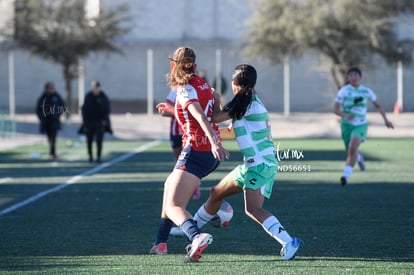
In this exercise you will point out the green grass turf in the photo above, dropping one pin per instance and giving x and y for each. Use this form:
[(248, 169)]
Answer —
[(105, 223)]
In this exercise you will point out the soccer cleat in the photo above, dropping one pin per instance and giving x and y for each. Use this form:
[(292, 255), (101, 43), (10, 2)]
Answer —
[(177, 232), (343, 181), (159, 249), (361, 163), (288, 251), (195, 249)]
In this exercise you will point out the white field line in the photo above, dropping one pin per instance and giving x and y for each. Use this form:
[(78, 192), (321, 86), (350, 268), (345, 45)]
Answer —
[(77, 178), (4, 180)]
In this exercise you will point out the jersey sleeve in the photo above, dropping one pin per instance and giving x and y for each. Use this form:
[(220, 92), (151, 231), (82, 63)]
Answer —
[(372, 95), (340, 96), (171, 97), (186, 95)]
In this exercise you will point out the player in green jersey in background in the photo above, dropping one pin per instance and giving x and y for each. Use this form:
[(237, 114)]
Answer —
[(351, 106)]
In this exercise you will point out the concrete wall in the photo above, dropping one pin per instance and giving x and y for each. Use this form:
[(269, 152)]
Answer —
[(164, 25)]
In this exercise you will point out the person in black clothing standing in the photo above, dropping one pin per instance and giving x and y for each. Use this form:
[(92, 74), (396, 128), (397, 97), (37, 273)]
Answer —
[(95, 115), (50, 106)]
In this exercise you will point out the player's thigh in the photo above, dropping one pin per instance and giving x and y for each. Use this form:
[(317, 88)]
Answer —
[(359, 132), (226, 187), (181, 185), (354, 143), (346, 130)]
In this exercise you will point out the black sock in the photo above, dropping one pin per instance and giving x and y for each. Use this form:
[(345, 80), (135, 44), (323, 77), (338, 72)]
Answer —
[(163, 230), (190, 228)]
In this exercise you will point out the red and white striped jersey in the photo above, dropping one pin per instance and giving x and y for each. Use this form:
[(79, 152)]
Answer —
[(174, 125), (196, 91)]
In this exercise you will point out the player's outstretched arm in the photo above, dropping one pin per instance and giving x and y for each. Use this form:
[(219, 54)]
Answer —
[(165, 109), (220, 116), (384, 116), (227, 133)]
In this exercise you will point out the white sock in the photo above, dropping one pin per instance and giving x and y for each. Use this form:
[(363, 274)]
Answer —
[(273, 227), (202, 217), (347, 171)]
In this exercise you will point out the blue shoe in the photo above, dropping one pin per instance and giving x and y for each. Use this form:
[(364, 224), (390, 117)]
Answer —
[(288, 251), (361, 163)]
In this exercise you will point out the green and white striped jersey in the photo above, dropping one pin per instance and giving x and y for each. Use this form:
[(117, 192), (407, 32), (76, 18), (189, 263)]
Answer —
[(254, 135), (354, 101)]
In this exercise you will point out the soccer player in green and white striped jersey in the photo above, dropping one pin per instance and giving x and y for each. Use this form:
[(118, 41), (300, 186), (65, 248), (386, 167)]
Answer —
[(255, 177), (351, 106)]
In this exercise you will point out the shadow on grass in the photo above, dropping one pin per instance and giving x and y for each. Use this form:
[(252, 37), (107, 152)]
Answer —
[(95, 218), (19, 165), (116, 213)]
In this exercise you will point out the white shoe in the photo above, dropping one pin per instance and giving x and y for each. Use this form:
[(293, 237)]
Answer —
[(177, 232), (195, 249), (288, 251), (361, 163)]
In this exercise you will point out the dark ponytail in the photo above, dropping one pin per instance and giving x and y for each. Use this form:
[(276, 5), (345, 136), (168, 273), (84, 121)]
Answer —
[(244, 76), (237, 107)]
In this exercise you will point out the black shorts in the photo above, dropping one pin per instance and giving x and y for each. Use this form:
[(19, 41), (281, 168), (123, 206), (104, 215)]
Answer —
[(176, 141), (199, 164)]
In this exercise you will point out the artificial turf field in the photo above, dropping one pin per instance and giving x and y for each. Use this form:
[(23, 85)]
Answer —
[(73, 217)]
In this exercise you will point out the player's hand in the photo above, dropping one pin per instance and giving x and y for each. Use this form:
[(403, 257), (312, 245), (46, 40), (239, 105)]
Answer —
[(216, 95), (165, 108), (349, 116), (389, 124), (219, 152)]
